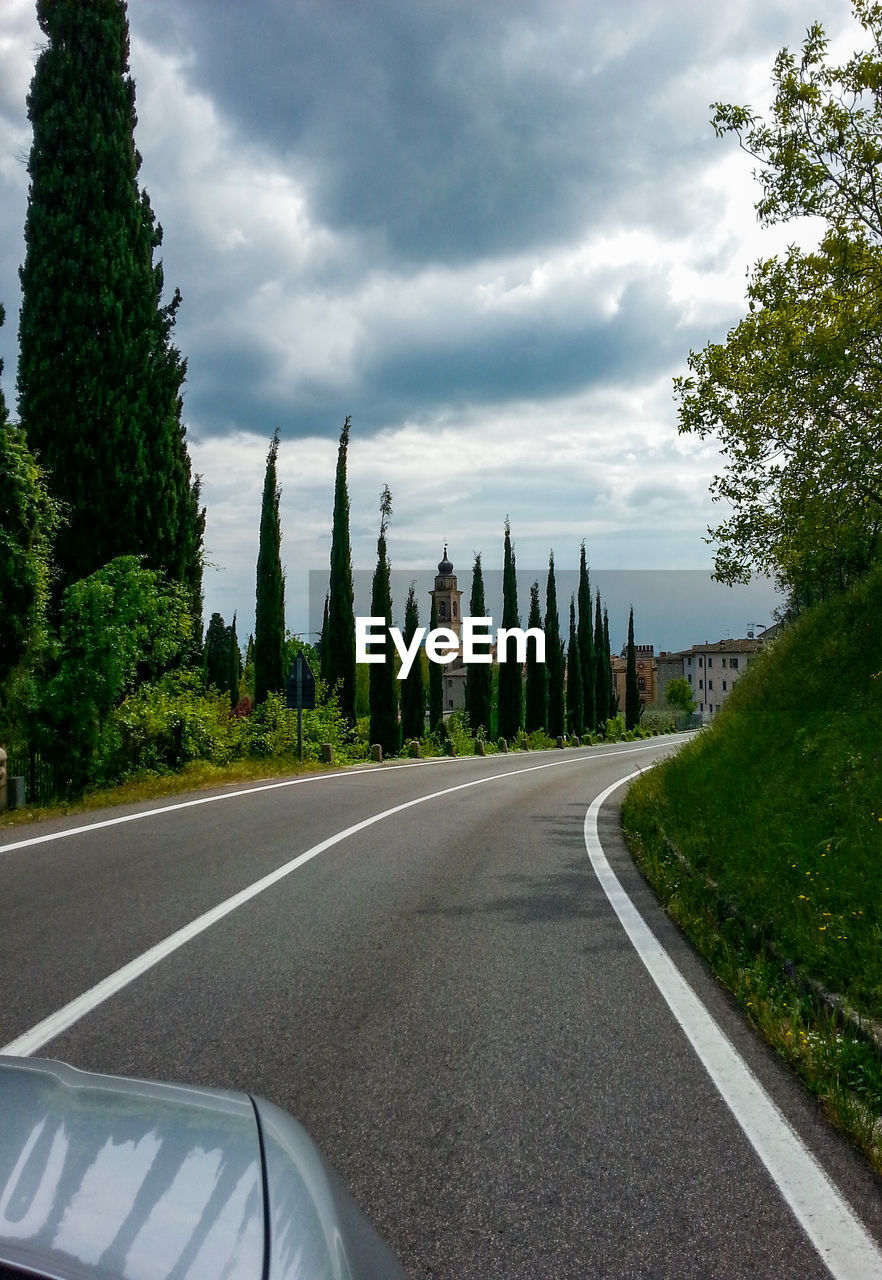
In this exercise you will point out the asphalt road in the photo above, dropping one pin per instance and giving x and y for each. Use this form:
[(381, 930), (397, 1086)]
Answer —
[(446, 999)]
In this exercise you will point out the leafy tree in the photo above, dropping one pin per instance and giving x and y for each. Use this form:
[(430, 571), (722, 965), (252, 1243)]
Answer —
[(586, 645), (27, 521), (632, 692), (794, 393), (436, 680), (479, 675), (99, 379), (215, 653), (248, 672), (234, 665), (119, 627), (602, 676), (613, 699), (575, 700), (383, 691), (338, 635), (413, 689), (678, 694), (511, 685), (536, 692), (554, 656), (269, 622)]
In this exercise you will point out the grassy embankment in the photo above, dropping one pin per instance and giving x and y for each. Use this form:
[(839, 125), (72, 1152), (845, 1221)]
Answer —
[(763, 837)]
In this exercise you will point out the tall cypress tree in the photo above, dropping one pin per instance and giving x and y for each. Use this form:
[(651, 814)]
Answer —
[(269, 622), (536, 691), (479, 675), (413, 688), (612, 696), (436, 680), (601, 687), (234, 666), (511, 685), (554, 656), (27, 522), (586, 646), (575, 701), (339, 634), (632, 692), (216, 653), (383, 686), (99, 379)]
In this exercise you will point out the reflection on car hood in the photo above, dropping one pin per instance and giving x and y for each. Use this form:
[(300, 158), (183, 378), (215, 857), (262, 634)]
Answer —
[(114, 1179)]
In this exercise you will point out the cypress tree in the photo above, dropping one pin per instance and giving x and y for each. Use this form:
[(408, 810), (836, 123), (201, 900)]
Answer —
[(612, 696), (99, 379), (554, 656), (413, 689), (536, 692), (632, 692), (479, 675), (322, 645), (383, 686), (511, 685), (234, 666), (575, 701), (338, 636), (27, 521), (269, 622), (436, 680), (216, 653), (586, 646), (601, 689)]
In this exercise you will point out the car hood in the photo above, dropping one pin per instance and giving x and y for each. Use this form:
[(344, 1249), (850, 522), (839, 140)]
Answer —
[(105, 1178)]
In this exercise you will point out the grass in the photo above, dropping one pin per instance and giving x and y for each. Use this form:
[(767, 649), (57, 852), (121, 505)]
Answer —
[(763, 838)]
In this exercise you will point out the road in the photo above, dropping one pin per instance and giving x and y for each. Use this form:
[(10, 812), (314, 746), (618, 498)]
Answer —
[(442, 992)]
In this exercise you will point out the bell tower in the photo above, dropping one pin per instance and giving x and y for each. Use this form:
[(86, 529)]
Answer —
[(447, 597)]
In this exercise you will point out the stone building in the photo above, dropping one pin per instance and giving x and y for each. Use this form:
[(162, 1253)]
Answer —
[(646, 674), (713, 670), (448, 600)]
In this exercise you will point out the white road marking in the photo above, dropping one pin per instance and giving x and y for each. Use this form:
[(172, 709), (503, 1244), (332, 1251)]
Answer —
[(30, 1041), (846, 1248)]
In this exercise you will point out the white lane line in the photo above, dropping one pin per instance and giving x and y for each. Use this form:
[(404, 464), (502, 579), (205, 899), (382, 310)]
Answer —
[(30, 1041), (843, 1243)]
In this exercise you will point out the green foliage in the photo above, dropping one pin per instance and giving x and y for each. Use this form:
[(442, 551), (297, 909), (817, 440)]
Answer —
[(99, 379), (793, 395), (678, 694), (575, 701), (511, 687), (436, 681), (234, 665), (658, 719), (479, 676), (215, 653), (121, 625), (610, 683), (586, 645), (554, 657), (383, 684), (632, 691), (28, 518), (602, 672), (269, 622), (458, 733), (536, 686), (338, 635), (413, 689)]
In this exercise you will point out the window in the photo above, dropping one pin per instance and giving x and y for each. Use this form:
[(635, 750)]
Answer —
[(724, 686), (710, 684), (701, 684), (450, 703), (701, 707), (442, 610), (733, 663), (722, 662), (710, 662), (641, 683), (454, 608), (701, 662)]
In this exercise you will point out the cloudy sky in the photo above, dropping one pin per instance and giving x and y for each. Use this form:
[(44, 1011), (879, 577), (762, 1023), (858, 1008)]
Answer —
[(491, 232)]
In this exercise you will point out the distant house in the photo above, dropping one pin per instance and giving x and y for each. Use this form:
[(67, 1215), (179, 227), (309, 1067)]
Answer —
[(646, 674), (713, 670)]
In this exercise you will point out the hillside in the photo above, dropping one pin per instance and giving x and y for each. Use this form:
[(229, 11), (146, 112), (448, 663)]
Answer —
[(764, 838)]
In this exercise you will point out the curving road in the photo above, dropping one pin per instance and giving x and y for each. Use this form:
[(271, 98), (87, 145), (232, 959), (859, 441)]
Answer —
[(424, 965)]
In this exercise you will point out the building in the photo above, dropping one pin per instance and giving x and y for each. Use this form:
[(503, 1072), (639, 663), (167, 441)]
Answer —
[(714, 669), (447, 598), (646, 674)]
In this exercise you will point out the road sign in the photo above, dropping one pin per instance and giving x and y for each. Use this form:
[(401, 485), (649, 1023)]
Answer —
[(300, 686)]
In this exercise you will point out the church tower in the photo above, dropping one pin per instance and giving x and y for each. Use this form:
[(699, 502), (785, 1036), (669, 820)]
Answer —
[(447, 597)]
